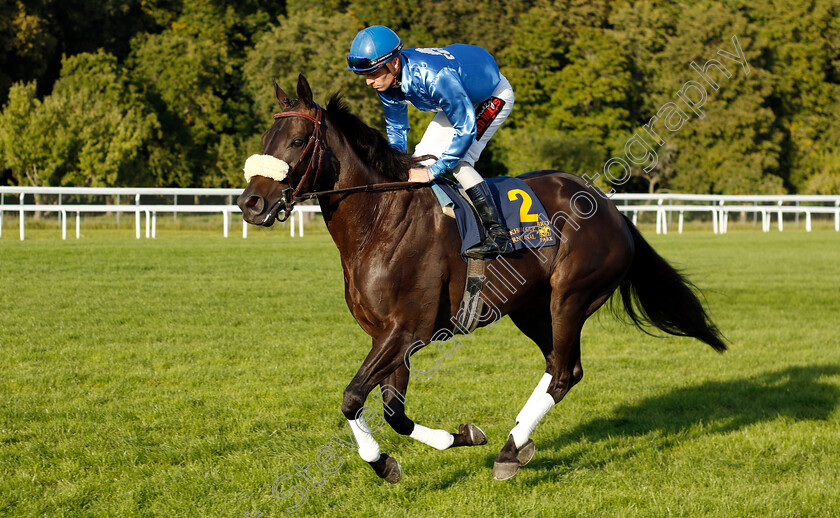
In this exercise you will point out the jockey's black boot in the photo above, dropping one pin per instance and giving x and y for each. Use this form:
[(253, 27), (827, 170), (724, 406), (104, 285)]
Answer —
[(498, 237)]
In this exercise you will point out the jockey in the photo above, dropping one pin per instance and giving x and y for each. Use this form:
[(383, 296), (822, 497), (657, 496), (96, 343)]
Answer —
[(460, 82)]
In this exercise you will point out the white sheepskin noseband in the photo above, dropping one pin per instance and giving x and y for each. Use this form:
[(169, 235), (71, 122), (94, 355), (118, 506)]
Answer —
[(265, 165)]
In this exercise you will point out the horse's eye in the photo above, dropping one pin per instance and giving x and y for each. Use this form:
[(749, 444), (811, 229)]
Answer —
[(297, 142)]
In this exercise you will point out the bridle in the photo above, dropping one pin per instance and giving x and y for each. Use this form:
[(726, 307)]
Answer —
[(315, 149)]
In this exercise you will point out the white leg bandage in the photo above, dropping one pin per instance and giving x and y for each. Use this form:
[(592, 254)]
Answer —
[(541, 389), (530, 415), (440, 439), (368, 447)]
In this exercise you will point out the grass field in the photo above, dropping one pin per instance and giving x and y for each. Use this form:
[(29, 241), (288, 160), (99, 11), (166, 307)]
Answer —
[(183, 376)]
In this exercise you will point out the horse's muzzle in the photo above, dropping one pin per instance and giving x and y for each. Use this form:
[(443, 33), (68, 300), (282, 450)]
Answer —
[(262, 210)]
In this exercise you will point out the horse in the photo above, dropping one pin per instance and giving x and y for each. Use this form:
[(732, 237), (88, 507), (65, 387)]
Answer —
[(404, 275)]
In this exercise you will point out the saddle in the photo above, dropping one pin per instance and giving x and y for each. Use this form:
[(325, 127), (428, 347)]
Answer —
[(524, 216)]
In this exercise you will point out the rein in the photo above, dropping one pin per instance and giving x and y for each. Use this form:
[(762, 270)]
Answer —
[(316, 147), (374, 187)]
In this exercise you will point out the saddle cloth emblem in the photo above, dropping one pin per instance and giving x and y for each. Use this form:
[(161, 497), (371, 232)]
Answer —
[(521, 210)]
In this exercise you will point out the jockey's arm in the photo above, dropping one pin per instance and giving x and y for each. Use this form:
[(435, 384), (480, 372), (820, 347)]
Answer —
[(453, 100), (396, 122)]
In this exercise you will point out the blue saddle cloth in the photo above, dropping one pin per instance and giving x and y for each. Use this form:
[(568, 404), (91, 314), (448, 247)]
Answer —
[(521, 210)]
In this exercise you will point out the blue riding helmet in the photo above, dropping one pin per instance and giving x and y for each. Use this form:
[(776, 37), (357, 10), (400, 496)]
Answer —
[(372, 48)]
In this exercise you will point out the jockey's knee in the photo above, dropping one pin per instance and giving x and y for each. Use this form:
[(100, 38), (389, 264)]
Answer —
[(466, 175)]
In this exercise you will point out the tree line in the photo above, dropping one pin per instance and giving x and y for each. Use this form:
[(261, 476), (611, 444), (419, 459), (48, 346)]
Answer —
[(178, 92)]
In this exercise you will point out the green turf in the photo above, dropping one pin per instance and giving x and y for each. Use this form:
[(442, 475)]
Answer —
[(182, 376)]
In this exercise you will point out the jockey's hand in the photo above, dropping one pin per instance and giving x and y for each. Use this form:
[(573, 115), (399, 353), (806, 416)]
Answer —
[(419, 174)]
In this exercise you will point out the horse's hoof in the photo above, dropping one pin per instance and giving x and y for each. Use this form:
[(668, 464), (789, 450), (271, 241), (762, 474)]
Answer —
[(393, 472), (387, 468), (469, 435), (526, 453), (504, 470), (474, 434)]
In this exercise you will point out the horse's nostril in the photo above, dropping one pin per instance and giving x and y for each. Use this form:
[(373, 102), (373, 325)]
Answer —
[(255, 203)]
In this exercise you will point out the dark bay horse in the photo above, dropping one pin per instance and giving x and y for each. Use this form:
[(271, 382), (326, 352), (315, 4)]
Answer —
[(404, 276)]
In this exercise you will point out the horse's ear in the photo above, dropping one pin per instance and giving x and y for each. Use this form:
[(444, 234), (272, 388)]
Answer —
[(303, 91), (282, 98)]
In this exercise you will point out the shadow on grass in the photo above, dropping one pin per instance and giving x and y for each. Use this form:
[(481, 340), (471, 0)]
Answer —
[(709, 408)]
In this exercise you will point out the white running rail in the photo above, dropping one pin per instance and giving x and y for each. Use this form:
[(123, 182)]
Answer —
[(664, 205)]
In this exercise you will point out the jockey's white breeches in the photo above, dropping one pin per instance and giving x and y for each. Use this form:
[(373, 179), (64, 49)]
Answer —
[(439, 135)]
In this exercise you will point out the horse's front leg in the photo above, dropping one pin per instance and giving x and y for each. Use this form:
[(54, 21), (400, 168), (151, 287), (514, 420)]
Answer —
[(393, 390), (384, 358)]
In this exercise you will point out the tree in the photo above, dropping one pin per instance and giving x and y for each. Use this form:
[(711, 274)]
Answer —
[(801, 43), (178, 92), (25, 44), (591, 95), (88, 132), (110, 127), (734, 147), (532, 64), (33, 143), (316, 46)]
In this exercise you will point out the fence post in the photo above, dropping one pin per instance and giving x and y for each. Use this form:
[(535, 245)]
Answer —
[(780, 216), (300, 223), (714, 220), (21, 216), (664, 216), (137, 215), (836, 216)]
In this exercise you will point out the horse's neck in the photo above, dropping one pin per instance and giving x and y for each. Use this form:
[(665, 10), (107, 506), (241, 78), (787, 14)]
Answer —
[(352, 219)]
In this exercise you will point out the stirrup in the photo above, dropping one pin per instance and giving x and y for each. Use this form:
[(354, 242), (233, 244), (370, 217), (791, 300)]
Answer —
[(497, 242)]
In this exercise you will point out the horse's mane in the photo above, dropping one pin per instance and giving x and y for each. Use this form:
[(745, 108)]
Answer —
[(371, 146)]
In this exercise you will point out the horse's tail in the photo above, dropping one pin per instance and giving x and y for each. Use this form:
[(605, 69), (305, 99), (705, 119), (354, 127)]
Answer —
[(655, 292)]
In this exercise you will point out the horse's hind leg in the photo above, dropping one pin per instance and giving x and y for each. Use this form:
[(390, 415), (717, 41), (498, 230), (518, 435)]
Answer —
[(393, 391), (559, 340)]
